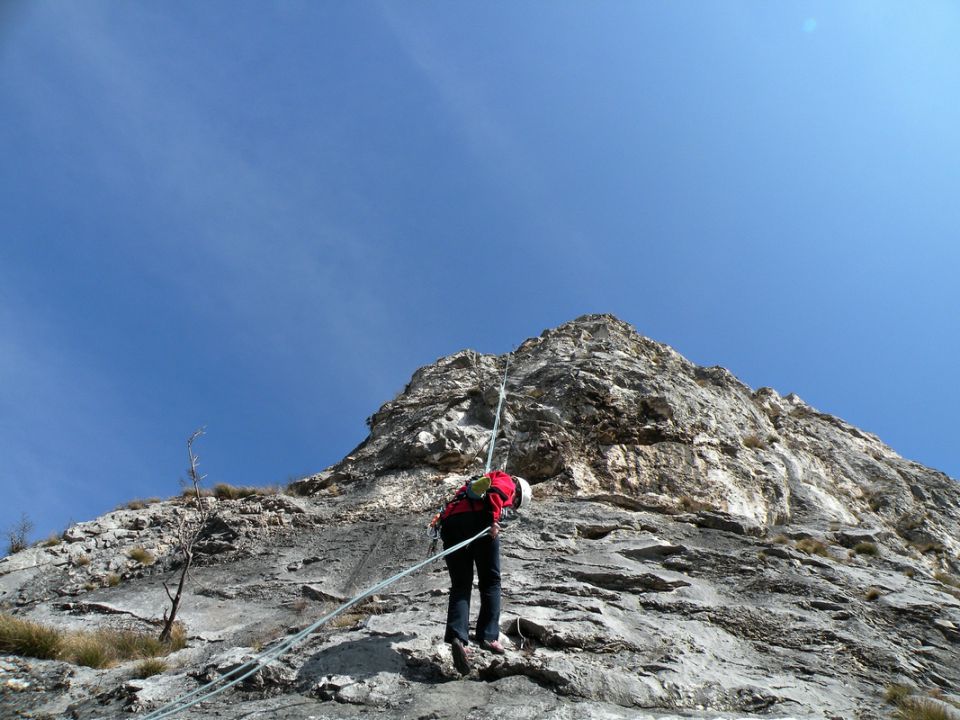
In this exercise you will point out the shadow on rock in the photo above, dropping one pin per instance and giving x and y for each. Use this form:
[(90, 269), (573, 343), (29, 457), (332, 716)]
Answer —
[(360, 659)]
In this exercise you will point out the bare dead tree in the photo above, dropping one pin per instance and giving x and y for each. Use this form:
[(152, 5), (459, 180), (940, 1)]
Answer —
[(188, 531)]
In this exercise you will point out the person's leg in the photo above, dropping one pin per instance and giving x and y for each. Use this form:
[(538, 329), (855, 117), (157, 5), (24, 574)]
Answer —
[(487, 556), (460, 567)]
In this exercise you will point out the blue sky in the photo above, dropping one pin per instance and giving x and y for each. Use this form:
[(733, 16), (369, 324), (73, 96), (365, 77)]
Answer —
[(263, 217)]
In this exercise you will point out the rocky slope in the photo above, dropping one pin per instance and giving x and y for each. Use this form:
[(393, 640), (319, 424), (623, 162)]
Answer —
[(697, 549)]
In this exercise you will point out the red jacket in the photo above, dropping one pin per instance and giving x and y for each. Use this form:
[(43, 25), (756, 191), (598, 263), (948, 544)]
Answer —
[(499, 496)]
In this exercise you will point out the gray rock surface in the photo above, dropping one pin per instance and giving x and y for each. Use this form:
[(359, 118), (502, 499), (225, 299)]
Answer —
[(696, 550)]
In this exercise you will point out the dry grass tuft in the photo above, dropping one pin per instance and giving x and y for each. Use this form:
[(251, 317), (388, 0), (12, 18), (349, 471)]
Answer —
[(358, 613), (918, 709), (866, 548), (872, 594), (149, 668), (755, 442), (23, 637), (139, 503), (947, 579), (897, 693), (926, 547), (89, 651), (141, 555), (811, 546), (781, 540), (81, 560), (224, 491), (112, 580), (911, 707), (689, 503), (190, 494), (98, 649)]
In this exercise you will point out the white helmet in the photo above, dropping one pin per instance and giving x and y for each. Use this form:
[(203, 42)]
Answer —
[(523, 496)]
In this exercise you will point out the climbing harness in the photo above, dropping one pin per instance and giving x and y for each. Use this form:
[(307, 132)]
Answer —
[(241, 673)]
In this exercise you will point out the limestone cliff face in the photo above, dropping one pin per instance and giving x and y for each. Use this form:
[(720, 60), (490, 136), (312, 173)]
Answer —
[(696, 549), (593, 408)]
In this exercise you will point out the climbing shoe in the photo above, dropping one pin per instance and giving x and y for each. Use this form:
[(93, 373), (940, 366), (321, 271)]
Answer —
[(460, 659), (493, 646)]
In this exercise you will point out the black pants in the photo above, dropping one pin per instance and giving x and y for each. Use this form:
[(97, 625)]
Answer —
[(484, 553)]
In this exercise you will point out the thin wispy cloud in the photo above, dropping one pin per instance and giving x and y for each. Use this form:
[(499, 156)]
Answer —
[(256, 249), (495, 146)]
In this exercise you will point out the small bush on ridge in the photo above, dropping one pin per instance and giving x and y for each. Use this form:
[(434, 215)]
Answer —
[(18, 535)]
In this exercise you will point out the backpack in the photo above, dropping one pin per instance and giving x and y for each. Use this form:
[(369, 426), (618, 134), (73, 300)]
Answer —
[(475, 490)]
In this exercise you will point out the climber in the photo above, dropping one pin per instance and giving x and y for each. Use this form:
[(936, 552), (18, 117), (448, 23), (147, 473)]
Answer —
[(480, 503)]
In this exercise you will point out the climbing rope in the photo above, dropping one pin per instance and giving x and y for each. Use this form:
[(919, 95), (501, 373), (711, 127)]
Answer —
[(239, 674), (496, 421)]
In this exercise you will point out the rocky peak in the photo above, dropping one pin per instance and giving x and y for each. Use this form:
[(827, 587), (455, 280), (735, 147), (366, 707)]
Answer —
[(593, 407)]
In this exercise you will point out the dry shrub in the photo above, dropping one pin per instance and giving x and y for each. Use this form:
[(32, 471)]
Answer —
[(872, 594), (112, 580), (18, 535), (81, 560), (781, 540), (755, 442)]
